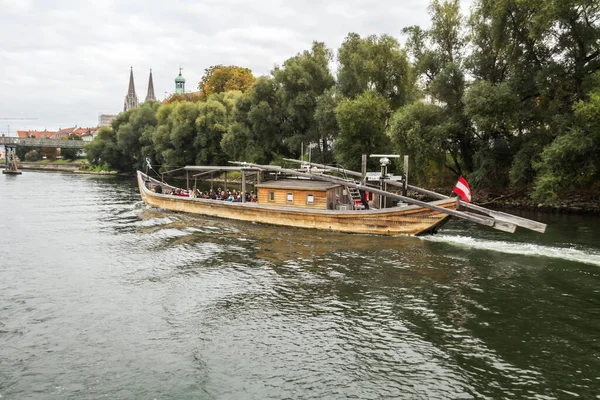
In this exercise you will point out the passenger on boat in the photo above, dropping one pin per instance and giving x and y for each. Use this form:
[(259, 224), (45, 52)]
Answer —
[(157, 189), (364, 199)]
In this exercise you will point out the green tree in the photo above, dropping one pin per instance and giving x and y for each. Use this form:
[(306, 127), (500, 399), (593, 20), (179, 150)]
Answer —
[(175, 135), (33, 155), (420, 130), (191, 97), (256, 133), (212, 123), (362, 129), (302, 80), (439, 65), (494, 112), (326, 123), (572, 160), (134, 130), (103, 150), (374, 63)]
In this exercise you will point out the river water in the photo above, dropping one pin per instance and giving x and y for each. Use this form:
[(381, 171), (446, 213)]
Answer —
[(103, 297)]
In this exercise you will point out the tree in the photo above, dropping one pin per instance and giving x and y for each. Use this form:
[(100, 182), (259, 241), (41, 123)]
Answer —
[(191, 97), (134, 129), (494, 112), (374, 63), (302, 80), (50, 153), (256, 133), (175, 135), (362, 129), (33, 155), (439, 64), (212, 123), (326, 122), (220, 78), (103, 150), (572, 160), (421, 130)]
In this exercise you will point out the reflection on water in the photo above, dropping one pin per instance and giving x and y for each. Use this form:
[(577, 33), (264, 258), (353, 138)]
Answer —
[(101, 296)]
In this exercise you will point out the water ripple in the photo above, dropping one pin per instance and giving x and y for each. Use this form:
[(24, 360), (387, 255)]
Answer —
[(104, 297)]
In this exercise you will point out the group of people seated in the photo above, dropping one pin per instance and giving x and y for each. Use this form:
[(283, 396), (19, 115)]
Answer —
[(219, 194)]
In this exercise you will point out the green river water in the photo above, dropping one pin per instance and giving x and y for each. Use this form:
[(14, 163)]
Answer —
[(104, 297)]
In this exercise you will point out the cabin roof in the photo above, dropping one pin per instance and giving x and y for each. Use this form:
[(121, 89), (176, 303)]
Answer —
[(217, 168), (301, 184)]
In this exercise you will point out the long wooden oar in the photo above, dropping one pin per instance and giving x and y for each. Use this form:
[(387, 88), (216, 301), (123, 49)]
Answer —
[(498, 215)]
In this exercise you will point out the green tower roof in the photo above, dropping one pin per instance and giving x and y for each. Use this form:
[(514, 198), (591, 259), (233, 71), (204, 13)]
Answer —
[(180, 78)]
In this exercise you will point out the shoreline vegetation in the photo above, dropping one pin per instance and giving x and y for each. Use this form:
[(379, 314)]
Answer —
[(505, 94), (588, 203)]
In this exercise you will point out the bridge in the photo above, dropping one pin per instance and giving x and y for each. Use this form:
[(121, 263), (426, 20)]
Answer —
[(33, 142)]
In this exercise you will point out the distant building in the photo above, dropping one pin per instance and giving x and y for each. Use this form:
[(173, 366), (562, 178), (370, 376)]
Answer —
[(180, 83), (131, 99), (180, 94), (45, 134), (60, 134), (150, 95), (63, 133), (90, 134), (106, 119)]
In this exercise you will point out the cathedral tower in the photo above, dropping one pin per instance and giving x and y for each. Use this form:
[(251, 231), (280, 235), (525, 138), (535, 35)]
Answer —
[(180, 83), (150, 95), (131, 100)]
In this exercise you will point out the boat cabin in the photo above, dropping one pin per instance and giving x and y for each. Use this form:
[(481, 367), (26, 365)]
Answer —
[(301, 193)]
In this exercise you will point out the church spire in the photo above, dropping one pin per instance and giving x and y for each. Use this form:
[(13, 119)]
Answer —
[(150, 95), (131, 100)]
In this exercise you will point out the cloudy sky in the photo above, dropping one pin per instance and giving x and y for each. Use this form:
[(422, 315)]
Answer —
[(64, 62)]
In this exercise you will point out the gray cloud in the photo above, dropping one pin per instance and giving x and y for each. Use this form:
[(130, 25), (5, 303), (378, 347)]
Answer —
[(64, 62)]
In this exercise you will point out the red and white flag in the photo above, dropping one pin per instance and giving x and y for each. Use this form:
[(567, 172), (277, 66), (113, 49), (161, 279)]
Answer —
[(462, 189)]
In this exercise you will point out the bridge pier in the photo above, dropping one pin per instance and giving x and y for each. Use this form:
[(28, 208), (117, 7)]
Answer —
[(10, 160)]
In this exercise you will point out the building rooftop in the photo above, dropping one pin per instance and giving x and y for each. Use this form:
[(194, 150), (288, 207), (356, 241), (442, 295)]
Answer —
[(300, 184)]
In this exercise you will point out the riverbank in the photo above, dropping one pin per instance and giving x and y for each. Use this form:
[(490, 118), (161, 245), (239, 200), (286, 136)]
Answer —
[(76, 167), (576, 203), (51, 166)]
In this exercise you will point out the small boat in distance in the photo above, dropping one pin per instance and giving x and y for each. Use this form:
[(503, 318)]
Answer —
[(313, 199)]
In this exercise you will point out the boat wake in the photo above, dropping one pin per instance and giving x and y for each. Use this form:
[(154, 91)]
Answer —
[(585, 256)]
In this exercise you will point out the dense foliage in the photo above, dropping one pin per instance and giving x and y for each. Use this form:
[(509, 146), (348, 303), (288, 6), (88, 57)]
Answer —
[(508, 96)]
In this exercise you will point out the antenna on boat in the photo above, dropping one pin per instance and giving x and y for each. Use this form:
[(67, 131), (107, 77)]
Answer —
[(384, 160)]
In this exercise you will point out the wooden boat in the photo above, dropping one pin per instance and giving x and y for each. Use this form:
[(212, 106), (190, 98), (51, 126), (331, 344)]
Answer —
[(316, 200), (407, 220)]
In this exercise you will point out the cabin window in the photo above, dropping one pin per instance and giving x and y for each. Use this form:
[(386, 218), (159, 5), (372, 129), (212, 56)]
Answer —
[(310, 199), (271, 196), (290, 197)]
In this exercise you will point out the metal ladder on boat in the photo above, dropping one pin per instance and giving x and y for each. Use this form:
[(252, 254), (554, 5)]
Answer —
[(354, 195)]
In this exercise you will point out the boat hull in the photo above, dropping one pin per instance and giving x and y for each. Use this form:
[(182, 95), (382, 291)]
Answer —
[(409, 220)]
